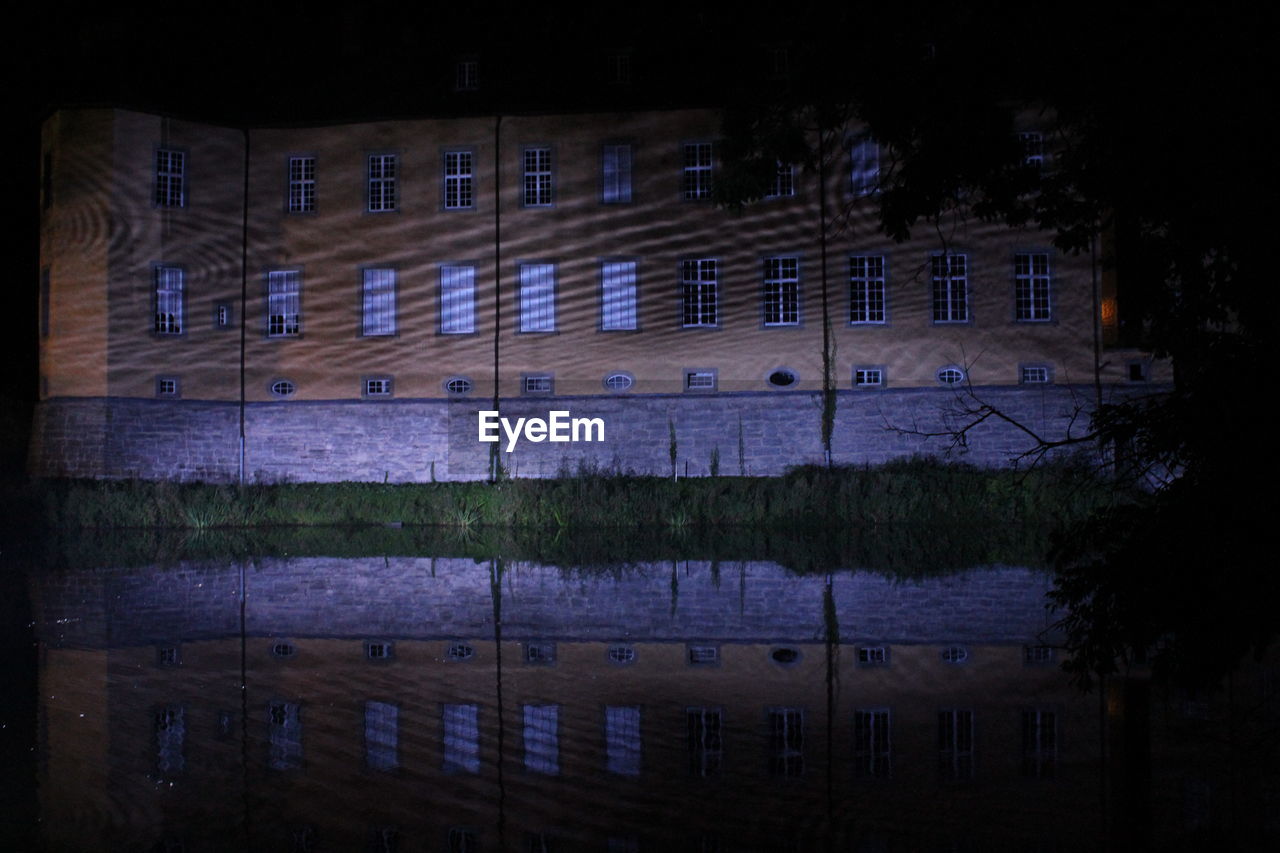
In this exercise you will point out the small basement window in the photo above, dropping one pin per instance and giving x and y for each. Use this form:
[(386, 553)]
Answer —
[(283, 388), (783, 377), (458, 385), (950, 375)]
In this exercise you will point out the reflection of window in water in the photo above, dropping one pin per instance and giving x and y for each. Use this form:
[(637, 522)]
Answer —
[(541, 744), (786, 742), (381, 735), (284, 736), (706, 748), (461, 739), (955, 744), (384, 839), (171, 734), (871, 748), (539, 842), (304, 839), (622, 739), (463, 840), (1039, 742)]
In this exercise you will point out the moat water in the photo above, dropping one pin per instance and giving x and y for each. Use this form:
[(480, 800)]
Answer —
[(457, 700)]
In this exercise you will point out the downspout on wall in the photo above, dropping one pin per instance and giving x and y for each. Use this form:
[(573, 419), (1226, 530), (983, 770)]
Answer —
[(244, 291), (495, 464)]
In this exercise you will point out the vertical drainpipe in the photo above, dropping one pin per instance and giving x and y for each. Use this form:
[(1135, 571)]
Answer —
[(828, 389), (1097, 320), (244, 289), (494, 464)]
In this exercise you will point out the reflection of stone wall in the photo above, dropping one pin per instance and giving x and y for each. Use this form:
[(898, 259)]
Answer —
[(416, 440), (450, 597)]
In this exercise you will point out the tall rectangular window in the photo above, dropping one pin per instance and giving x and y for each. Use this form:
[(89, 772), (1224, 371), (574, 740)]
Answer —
[(382, 182), (871, 748), (1032, 149), (171, 183), (706, 745), (458, 176), (697, 171), (784, 182), (541, 739), (1031, 286), (302, 184), (284, 301), (618, 296), (537, 297), (864, 167), (170, 294), (950, 288), (462, 738), (379, 302), (622, 739), (866, 289), (1039, 743), (781, 291), (171, 736), (284, 736), (786, 742), (466, 76), (955, 744), (381, 735), (617, 174), (45, 298), (457, 300), (699, 293), (537, 177)]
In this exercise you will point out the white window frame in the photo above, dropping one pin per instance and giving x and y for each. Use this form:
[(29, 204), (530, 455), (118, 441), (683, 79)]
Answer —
[(955, 743), (459, 180), (537, 298), (461, 740), (1039, 742), (868, 295), (622, 739), (1035, 374), (706, 740), (1032, 142), (466, 75), (302, 185), (378, 386), (618, 296), (538, 176), (786, 742), (170, 300), (699, 163), (542, 739), (457, 299), (701, 379), (538, 384), (873, 743), (864, 167), (949, 273), (383, 177), (699, 298), (284, 303), (171, 178), (378, 302), (868, 376), (781, 300), (615, 173), (784, 182), (1032, 287)]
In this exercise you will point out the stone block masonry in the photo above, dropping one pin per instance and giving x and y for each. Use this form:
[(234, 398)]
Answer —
[(400, 441)]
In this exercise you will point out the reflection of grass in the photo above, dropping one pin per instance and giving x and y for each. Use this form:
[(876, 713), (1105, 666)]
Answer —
[(917, 492)]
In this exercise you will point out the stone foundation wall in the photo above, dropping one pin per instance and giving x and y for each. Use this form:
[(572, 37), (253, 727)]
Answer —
[(422, 440)]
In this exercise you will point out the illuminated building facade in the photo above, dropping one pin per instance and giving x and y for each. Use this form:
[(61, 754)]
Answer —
[(338, 302)]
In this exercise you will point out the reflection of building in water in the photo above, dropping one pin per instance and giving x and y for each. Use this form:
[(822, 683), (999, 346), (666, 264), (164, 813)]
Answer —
[(352, 729), (392, 276)]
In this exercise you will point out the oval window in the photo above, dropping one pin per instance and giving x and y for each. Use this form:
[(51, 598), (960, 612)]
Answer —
[(785, 655), (783, 377), (283, 388), (622, 653), (458, 385), (950, 375), (618, 381)]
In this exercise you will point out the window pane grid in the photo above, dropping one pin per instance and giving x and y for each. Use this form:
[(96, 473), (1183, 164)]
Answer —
[(283, 303), (617, 174), (706, 747), (170, 178), (541, 745), (866, 289), (1031, 286), (461, 738), (302, 184), (537, 298), (379, 302), (457, 300), (382, 182), (537, 177), (784, 182), (457, 180), (700, 292), (786, 742), (871, 743), (950, 288), (955, 744), (1039, 743), (169, 300), (381, 735), (622, 739), (618, 296), (697, 171), (781, 291)]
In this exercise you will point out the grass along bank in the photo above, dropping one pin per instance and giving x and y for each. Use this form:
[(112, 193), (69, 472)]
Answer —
[(917, 491)]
